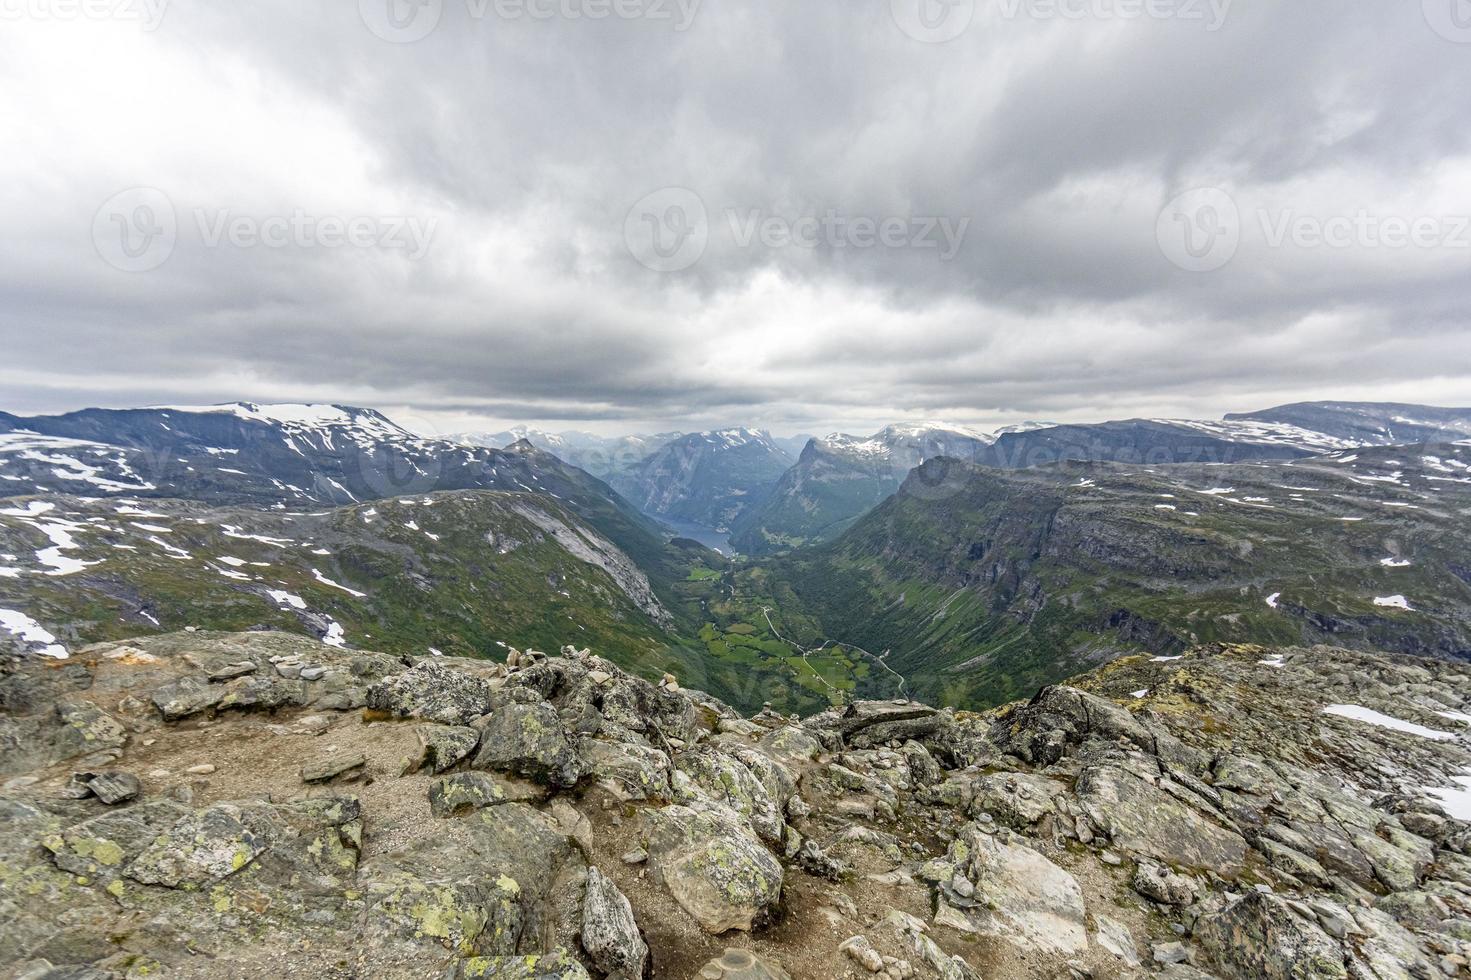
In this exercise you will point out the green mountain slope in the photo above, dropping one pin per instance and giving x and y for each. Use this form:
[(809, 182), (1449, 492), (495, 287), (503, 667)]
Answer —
[(466, 573), (1011, 579)]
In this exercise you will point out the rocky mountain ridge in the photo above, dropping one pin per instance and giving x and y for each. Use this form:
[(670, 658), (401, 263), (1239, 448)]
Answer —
[(984, 583), (709, 478), (209, 805)]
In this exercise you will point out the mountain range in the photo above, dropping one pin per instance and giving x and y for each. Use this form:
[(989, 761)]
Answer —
[(712, 479), (925, 559)]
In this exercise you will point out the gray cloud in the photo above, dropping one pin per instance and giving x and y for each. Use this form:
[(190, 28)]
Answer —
[(525, 143)]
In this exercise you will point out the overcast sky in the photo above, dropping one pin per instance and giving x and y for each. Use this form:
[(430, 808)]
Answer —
[(447, 208)]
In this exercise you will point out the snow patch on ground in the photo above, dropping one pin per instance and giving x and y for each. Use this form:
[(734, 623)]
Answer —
[(327, 581), (1369, 716), (1456, 800), (32, 634), (1393, 602)]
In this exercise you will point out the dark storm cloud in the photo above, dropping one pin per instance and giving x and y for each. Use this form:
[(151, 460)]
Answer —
[(515, 149)]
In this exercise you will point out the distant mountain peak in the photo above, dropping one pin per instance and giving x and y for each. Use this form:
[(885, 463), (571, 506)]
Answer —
[(299, 415)]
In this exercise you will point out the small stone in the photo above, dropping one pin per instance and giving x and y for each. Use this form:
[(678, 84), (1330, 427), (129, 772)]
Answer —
[(313, 673), (463, 792), (313, 724), (1168, 953), (78, 787), (204, 769), (599, 677), (1111, 859), (636, 856), (20, 782), (231, 671), (330, 768), (1116, 938), (861, 951), (115, 786)]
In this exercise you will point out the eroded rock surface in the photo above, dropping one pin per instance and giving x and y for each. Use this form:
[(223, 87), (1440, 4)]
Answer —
[(556, 817)]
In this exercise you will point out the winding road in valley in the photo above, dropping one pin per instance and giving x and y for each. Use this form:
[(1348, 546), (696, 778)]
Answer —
[(805, 651)]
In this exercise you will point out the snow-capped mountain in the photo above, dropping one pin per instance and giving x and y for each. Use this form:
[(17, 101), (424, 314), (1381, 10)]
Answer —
[(840, 477), (282, 456), (708, 478), (1367, 423), (602, 456)]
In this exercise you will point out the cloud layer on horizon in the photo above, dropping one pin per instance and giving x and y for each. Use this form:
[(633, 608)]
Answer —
[(524, 143)]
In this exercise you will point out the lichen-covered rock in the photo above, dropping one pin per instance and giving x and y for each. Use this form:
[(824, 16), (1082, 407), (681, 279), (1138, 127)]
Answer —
[(102, 846), (557, 965), (329, 767), (483, 890), (727, 780), (473, 915), (1015, 799), (628, 770), (1141, 818), (463, 792), (1159, 883), (1004, 889), (792, 744), (85, 728), (713, 866), (1261, 937), (186, 696), (443, 746), (200, 849), (1042, 730), (432, 692), (609, 931), (528, 739)]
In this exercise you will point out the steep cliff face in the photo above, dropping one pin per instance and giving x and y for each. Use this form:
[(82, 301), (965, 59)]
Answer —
[(709, 478), (839, 478), (984, 583), (215, 805)]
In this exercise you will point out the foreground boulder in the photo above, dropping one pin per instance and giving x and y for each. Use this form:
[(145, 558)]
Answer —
[(1262, 936), (559, 818), (1002, 888), (714, 866), (528, 739)]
